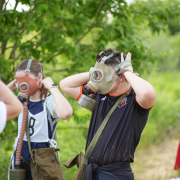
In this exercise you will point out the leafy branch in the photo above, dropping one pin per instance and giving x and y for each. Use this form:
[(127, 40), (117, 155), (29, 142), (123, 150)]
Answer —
[(39, 42), (93, 24), (12, 55), (90, 28)]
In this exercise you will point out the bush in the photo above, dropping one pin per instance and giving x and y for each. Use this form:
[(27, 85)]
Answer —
[(173, 25), (4, 163), (165, 115)]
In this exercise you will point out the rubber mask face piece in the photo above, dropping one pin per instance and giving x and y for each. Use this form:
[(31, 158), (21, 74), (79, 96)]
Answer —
[(26, 84), (101, 77)]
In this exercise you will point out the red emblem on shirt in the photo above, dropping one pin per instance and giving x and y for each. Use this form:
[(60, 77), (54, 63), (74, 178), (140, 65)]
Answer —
[(122, 103)]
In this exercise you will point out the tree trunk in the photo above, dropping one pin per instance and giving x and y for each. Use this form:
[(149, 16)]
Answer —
[(3, 46), (1, 4)]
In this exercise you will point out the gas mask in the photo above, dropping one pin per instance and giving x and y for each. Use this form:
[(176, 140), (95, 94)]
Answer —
[(27, 85), (102, 78)]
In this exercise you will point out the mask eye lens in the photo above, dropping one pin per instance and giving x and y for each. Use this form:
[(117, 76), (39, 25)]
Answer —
[(24, 87), (97, 75)]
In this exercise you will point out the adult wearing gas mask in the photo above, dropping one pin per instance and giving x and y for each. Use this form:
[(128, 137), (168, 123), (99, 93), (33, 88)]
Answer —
[(98, 90), (10, 106), (42, 110)]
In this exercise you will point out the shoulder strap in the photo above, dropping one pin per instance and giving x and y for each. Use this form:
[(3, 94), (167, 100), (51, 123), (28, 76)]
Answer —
[(99, 131), (27, 131), (52, 123), (28, 136)]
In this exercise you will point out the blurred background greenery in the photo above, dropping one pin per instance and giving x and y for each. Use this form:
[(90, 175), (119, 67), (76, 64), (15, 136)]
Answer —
[(66, 35)]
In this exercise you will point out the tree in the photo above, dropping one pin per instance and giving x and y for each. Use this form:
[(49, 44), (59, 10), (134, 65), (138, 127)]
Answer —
[(75, 30)]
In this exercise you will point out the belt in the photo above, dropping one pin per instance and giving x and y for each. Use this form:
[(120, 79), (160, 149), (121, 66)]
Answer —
[(117, 169)]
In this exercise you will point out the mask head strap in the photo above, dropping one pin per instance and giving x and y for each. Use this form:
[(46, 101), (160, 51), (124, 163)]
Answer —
[(105, 58), (40, 73), (27, 70), (102, 57)]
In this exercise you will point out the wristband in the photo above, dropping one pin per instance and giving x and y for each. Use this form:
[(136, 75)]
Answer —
[(53, 86)]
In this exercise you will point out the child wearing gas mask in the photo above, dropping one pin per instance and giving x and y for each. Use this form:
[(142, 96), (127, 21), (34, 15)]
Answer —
[(43, 109), (10, 106), (110, 78)]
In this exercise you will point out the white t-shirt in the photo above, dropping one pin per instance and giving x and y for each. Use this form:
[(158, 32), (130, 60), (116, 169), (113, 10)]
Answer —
[(51, 105), (3, 116)]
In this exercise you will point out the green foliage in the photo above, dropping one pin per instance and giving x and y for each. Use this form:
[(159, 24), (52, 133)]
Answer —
[(164, 116), (77, 31), (174, 25), (4, 163), (166, 49), (156, 12)]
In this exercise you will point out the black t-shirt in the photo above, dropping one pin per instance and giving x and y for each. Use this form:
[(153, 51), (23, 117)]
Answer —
[(122, 133)]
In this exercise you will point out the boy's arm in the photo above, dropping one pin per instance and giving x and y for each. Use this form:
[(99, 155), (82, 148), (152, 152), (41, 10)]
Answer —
[(13, 105), (145, 92), (72, 84)]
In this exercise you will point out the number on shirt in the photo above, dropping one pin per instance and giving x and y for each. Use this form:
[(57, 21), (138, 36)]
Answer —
[(31, 126)]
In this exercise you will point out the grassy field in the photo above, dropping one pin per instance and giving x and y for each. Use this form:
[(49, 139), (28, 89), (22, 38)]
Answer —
[(157, 161)]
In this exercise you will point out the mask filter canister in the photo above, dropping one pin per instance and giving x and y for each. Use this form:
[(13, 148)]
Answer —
[(87, 101)]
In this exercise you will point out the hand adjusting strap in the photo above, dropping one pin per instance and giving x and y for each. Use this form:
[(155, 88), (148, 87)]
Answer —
[(120, 67)]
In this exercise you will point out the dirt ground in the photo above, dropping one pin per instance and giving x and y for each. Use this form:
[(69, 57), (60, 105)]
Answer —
[(156, 162)]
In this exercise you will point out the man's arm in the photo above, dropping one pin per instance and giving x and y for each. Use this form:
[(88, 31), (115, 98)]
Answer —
[(145, 93), (72, 84), (13, 105)]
